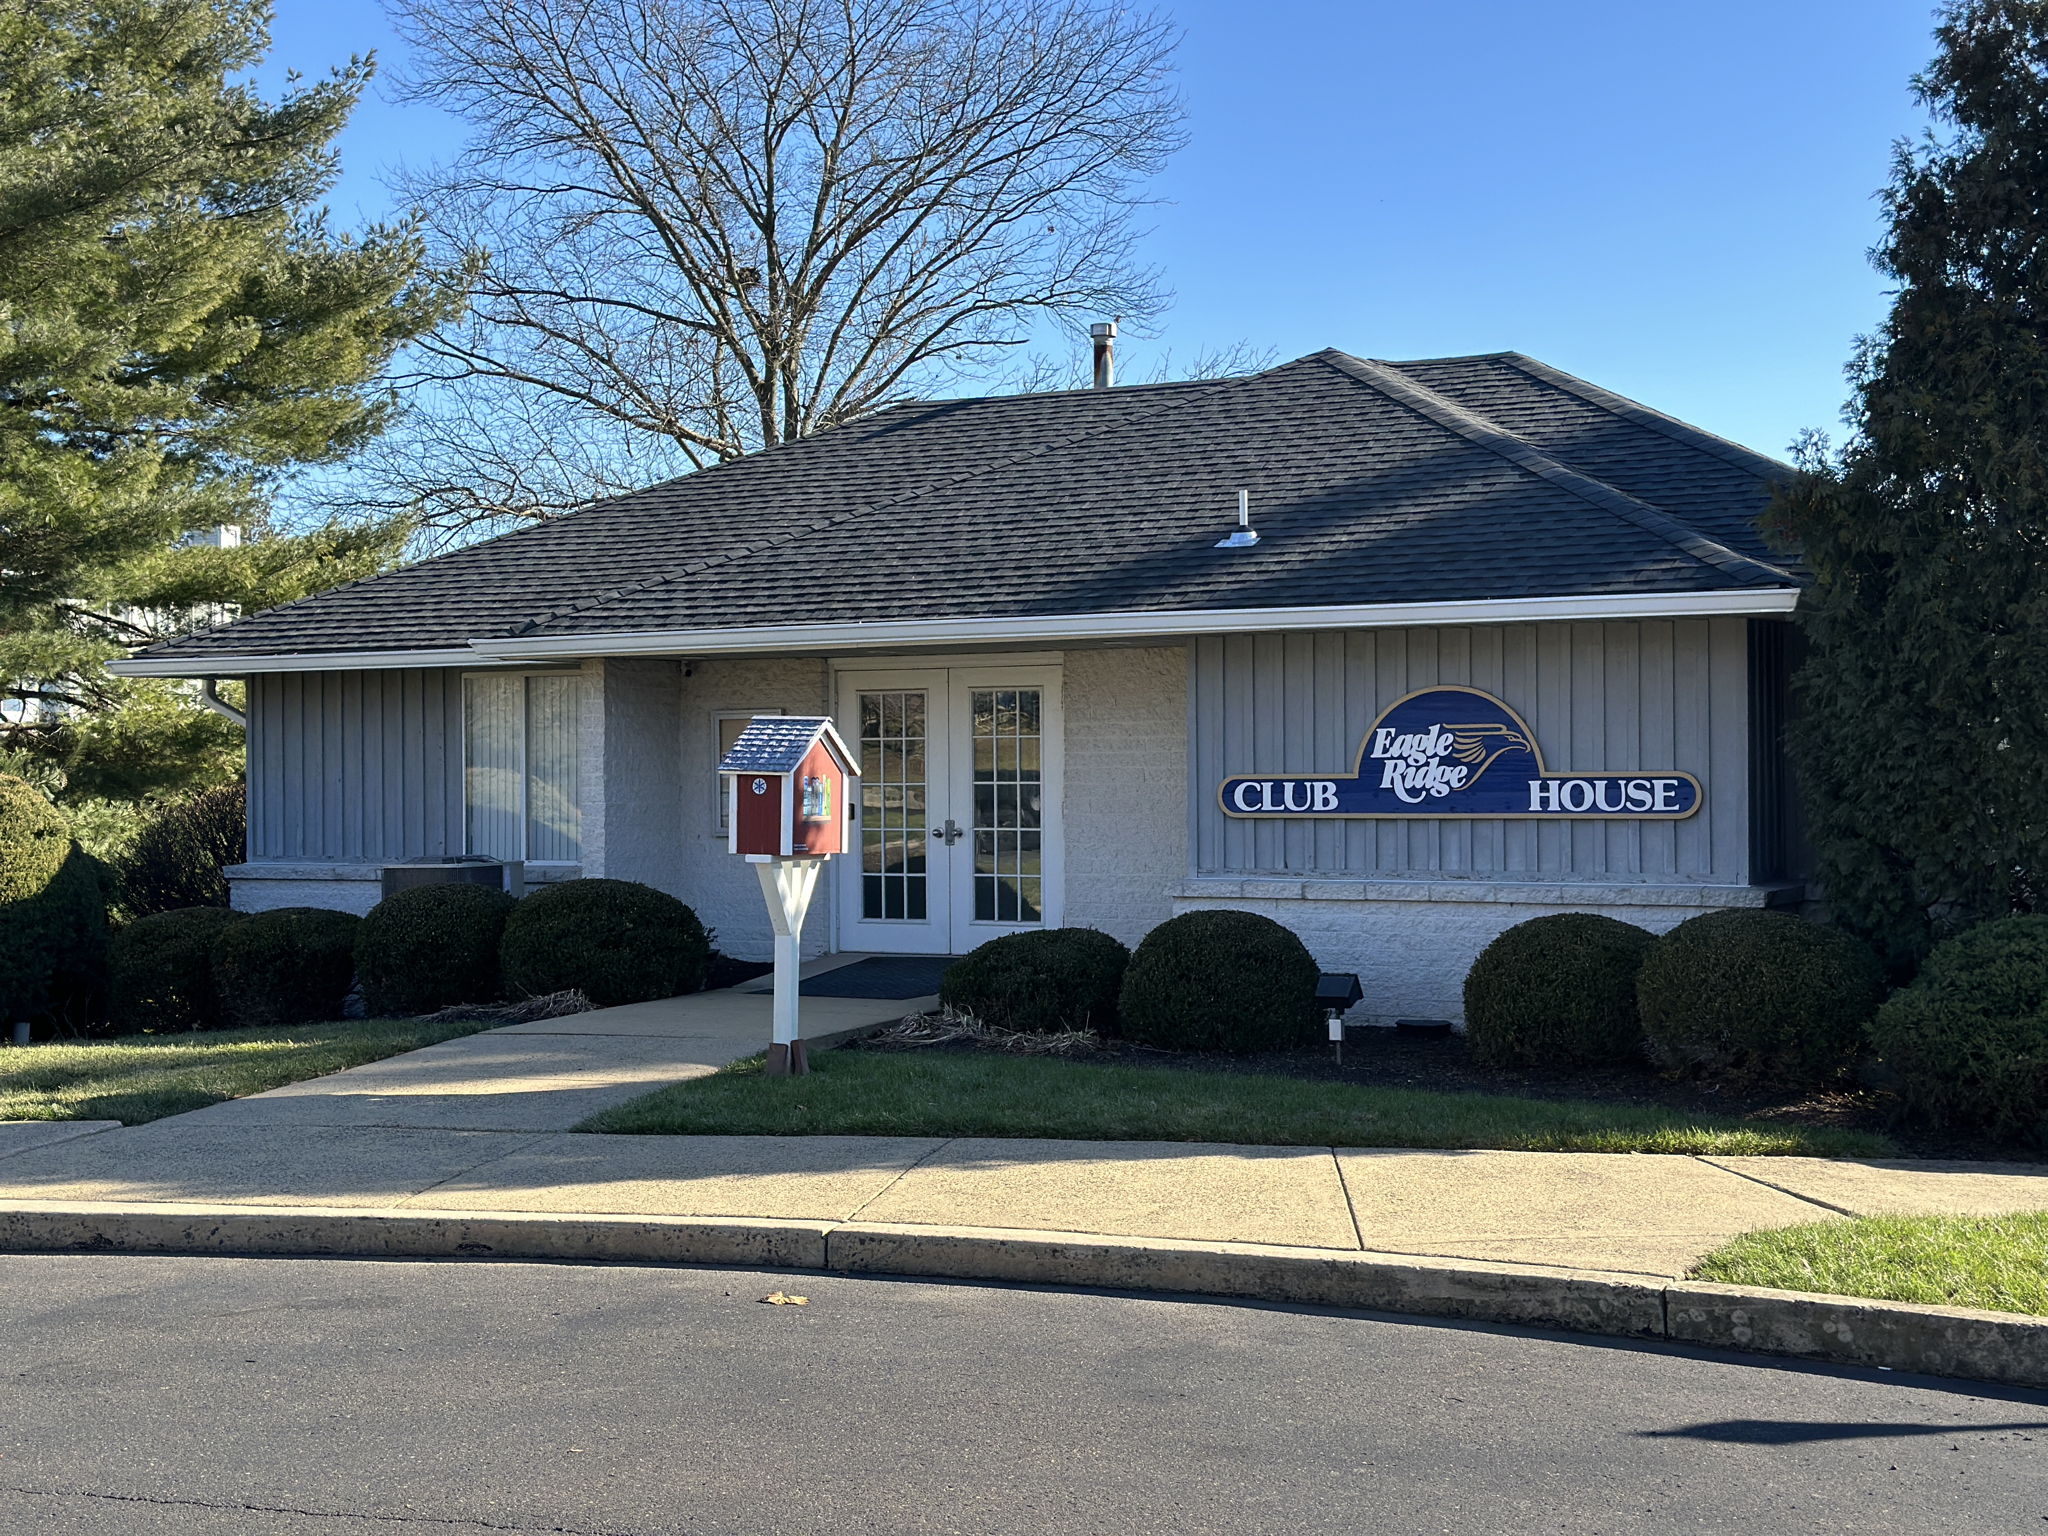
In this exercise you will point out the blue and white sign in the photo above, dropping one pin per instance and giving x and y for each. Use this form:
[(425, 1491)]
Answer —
[(1457, 752)]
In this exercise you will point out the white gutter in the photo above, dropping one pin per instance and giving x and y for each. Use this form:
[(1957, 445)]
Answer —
[(1125, 626), (857, 635)]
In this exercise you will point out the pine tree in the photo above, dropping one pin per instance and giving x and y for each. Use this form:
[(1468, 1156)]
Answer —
[(1922, 734), (179, 332)]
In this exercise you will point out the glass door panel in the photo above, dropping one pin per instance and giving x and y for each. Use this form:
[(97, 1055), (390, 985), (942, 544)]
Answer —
[(894, 891), (895, 867), (1007, 785), (1007, 746)]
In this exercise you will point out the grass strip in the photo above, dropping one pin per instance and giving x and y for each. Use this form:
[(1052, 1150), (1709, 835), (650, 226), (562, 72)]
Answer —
[(878, 1093), (134, 1078), (1999, 1263)]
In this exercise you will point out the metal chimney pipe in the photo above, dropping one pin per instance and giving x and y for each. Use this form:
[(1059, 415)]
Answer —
[(1104, 336)]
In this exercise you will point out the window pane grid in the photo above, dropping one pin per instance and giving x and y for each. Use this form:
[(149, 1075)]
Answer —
[(1008, 739), (892, 823)]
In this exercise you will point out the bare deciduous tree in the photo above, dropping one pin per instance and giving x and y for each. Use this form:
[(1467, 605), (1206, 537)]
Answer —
[(699, 227)]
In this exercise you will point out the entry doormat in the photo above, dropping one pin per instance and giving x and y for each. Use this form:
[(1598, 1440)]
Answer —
[(880, 976)]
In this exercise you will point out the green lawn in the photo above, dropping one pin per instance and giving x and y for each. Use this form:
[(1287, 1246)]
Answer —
[(134, 1078), (1995, 1262), (878, 1093)]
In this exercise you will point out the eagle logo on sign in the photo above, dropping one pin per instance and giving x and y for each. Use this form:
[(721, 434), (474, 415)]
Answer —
[(1478, 745)]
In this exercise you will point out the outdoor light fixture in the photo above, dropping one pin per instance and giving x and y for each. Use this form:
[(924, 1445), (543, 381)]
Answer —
[(1337, 993)]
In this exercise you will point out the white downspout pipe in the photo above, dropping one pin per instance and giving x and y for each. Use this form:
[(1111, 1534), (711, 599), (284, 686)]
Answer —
[(209, 695)]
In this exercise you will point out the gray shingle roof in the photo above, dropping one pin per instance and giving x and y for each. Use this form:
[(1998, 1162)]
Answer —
[(773, 744), (1441, 480)]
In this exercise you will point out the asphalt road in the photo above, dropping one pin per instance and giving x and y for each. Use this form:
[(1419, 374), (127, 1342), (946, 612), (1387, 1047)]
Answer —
[(172, 1397)]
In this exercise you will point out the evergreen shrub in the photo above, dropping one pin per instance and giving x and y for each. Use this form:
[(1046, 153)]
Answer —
[(615, 941), (431, 947), (160, 971), (1220, 980), (1048, 980), (1557, 991), (1967, 1043), (294, 965), (177, 857), (1756, 997), (53, 916)]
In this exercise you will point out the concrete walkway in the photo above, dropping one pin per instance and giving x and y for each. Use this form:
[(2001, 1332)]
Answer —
[(1617, 1214), (481, 1125)]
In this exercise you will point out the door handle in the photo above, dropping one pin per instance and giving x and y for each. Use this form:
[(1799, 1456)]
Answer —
[(951, 832)]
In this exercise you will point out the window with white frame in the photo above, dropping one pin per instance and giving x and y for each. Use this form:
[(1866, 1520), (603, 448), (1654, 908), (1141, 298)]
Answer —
[(521, 779)]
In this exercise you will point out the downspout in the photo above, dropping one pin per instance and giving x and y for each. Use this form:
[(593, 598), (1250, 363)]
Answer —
[(209, 695)]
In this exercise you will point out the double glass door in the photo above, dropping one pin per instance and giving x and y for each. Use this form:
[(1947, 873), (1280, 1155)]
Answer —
[(956, 837)]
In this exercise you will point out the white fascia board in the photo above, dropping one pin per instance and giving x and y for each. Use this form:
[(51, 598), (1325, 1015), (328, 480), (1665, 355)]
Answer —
[(304, 661), (1139, 626)]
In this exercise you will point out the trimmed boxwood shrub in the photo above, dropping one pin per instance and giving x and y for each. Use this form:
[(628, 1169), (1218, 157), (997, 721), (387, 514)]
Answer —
[(1051, 979), (294, 965), (1220, 981), (177, 858), (430, 947), (160, 970), (1967, 1043), (1557, 991), (615, 941), (1757, 997), (53, 914)]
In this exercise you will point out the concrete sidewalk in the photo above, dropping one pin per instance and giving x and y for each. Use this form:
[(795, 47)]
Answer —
[(1615, 1214), (481, 1125)]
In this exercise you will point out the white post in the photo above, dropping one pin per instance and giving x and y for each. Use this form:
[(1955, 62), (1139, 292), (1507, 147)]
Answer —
[(788, 885)]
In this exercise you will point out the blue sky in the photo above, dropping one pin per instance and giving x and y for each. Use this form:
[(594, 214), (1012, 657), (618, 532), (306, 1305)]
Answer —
[(1674, 201)]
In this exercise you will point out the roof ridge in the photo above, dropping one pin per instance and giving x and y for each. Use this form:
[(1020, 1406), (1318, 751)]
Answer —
[(1469, 424), (1726, 449), (916, 402), (729, 556)]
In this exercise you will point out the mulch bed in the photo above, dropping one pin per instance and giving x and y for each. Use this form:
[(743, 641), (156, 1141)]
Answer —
[(1382, 1057)]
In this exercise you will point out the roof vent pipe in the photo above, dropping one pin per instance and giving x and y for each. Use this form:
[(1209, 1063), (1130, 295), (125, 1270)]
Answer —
[(1104, 337), (1245, 536)]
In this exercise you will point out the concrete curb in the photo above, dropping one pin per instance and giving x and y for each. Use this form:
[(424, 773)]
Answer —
[(1938, 1341), (329, 1232), (1583, 1301)]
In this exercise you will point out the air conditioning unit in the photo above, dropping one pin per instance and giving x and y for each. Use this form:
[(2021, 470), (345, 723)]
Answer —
[(459, 869)]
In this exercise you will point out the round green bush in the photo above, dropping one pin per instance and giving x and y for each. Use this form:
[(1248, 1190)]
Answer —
[(1051, 979), (1757, 997), (1557, 991), (294, 965), (1967, 1043), (53, 913), (160, 970), (1220, 981), (430, 947), (615, 941)]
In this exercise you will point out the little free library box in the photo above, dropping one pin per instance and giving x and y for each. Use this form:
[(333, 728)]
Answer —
[(1399, 654)]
